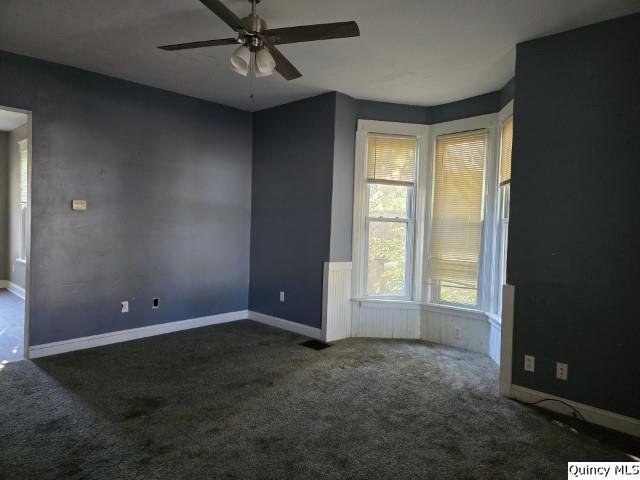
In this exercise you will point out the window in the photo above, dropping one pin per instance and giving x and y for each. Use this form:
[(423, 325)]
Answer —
[(390, 214), (457, 218), (22, 200), (504, 197)]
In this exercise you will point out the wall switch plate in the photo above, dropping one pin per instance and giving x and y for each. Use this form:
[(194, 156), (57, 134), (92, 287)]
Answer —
[(79, 205), (155, 303), (124, 307), (562, 371), (529, 363), (458, 333), (282, 296)]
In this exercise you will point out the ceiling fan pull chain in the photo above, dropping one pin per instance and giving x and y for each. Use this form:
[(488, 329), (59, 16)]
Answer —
[(252, 71)]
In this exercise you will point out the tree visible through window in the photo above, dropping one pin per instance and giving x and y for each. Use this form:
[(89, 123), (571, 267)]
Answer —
[(391, 165)]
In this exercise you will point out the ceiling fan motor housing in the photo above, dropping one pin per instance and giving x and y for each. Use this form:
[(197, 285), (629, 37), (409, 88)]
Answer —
[(253, 26)]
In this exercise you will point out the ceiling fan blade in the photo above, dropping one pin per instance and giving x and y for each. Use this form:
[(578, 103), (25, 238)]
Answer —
[(226, 15), (309, 33), (204, 43), (283, 66)]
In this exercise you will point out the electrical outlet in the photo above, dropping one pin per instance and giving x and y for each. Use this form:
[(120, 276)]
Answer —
[(124, 307), (458, 333), (562, 371), (282, 297), (156, 303), (529, 363)]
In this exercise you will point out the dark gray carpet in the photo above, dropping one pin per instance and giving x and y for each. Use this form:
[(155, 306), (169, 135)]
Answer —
[(243, 400)]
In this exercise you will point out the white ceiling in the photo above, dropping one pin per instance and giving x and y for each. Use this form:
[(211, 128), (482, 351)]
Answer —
[(11, 120), (420, 52)]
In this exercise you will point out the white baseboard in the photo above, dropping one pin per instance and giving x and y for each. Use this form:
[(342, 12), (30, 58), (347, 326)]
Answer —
[(288, 325), (604, 418), (54, 348), (13, 288)]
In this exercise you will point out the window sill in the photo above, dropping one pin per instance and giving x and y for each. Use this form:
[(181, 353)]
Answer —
[(428, 307), (495, 319), (387, 303), (21, 260)]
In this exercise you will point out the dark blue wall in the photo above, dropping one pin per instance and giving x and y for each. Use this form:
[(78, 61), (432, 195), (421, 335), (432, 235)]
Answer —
[(293, 147), (574, 233), (391, 112), (468, 107), (168, 182)]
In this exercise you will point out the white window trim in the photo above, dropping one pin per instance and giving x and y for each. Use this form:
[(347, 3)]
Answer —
[(22, 208), (415, 254), (504, 114), (488, 291), (489, 123)]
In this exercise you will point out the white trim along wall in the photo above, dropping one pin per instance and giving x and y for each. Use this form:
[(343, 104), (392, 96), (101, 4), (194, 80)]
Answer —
[(82, 343), (13, 288)]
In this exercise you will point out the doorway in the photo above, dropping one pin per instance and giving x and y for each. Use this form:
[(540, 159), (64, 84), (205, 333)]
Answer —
[(15, 203)]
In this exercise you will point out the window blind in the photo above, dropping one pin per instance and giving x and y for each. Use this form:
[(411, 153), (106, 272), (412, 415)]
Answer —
[(505, 151), (457, 213), (23, 175), (391, 159)]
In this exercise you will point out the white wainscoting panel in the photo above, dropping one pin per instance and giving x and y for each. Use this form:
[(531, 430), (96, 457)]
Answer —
[(441, 326), (495, 334), (506, 343), (336, 301), (380, 320)]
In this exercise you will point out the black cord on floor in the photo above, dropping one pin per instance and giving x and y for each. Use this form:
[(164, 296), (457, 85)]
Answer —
[(576, 412)]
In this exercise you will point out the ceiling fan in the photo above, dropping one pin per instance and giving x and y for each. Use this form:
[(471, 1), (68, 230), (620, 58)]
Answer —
[(257, 53)]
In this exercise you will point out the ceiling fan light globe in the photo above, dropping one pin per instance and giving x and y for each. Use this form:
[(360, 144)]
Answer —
[(240, 60), (239, 71), (260, 74), (265, 64)]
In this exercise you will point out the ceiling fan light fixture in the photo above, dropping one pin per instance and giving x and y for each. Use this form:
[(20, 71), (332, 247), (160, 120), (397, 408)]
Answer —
[(256, 55), (240, 60), (265, 63)]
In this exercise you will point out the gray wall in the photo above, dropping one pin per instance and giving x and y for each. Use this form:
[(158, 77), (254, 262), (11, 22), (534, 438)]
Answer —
[(168, 182), (293, 147), (346, 122), (17, 271), (4, 205), (574, 231)]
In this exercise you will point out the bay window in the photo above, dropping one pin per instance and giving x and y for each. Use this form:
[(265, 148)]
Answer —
[(390, 214), (431, 212), (504, 192), (457, 218)]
